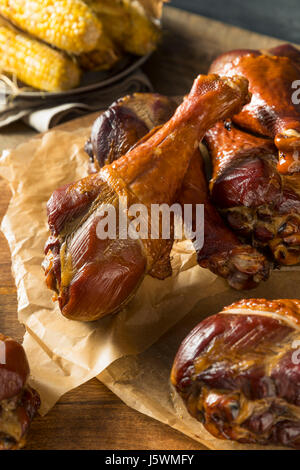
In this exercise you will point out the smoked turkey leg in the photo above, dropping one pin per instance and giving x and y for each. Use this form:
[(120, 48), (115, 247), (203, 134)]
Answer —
[(274, 110), (93, 277), (257, 201), (119, 128)]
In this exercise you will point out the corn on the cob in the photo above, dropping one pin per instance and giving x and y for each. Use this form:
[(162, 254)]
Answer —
[(35, 63), (105, 55), (144, 34), (69, 25), (127, 24), (153, 8)]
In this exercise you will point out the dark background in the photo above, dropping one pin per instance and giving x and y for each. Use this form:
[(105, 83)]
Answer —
[(277, 18)]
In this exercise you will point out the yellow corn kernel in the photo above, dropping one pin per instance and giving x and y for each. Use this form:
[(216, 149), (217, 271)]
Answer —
[(69, 25), (127, 24), (144, 33), (35, 63)]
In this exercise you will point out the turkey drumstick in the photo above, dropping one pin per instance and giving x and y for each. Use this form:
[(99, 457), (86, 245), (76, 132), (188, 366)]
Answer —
[(19, 402), (118, 128), (222, 253), (256, 200), (92, 276), (274, 110), (238, 372)]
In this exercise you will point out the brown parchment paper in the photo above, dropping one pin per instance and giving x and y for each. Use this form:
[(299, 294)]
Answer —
[(131, 352), (63, 353)]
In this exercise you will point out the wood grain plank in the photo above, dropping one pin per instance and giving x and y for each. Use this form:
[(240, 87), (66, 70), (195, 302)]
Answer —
[(92, 417), (189, 45), (273, 17)]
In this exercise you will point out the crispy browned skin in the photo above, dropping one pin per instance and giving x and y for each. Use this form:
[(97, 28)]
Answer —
[(243, 266), (18, 402), (116, 131), (95, 277), (124, 123), (238, 372), (154, 170), (274, 110), (256, 200)]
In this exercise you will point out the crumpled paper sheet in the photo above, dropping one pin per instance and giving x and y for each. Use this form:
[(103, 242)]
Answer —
[(62, 353), (143, 381), (132, 352)]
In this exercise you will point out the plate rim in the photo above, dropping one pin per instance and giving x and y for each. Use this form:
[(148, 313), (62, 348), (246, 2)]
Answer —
[(87, 88)]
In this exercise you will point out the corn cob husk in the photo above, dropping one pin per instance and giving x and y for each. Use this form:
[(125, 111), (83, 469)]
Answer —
[(127, 24), (35, 63), (153, 8), (69, 25), (103, 57)]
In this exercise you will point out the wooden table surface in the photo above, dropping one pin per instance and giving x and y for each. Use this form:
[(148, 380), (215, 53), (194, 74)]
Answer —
[(274, 17), (92, 417)]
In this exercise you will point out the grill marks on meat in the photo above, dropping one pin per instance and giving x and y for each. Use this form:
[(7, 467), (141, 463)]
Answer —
[(255, 180)]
